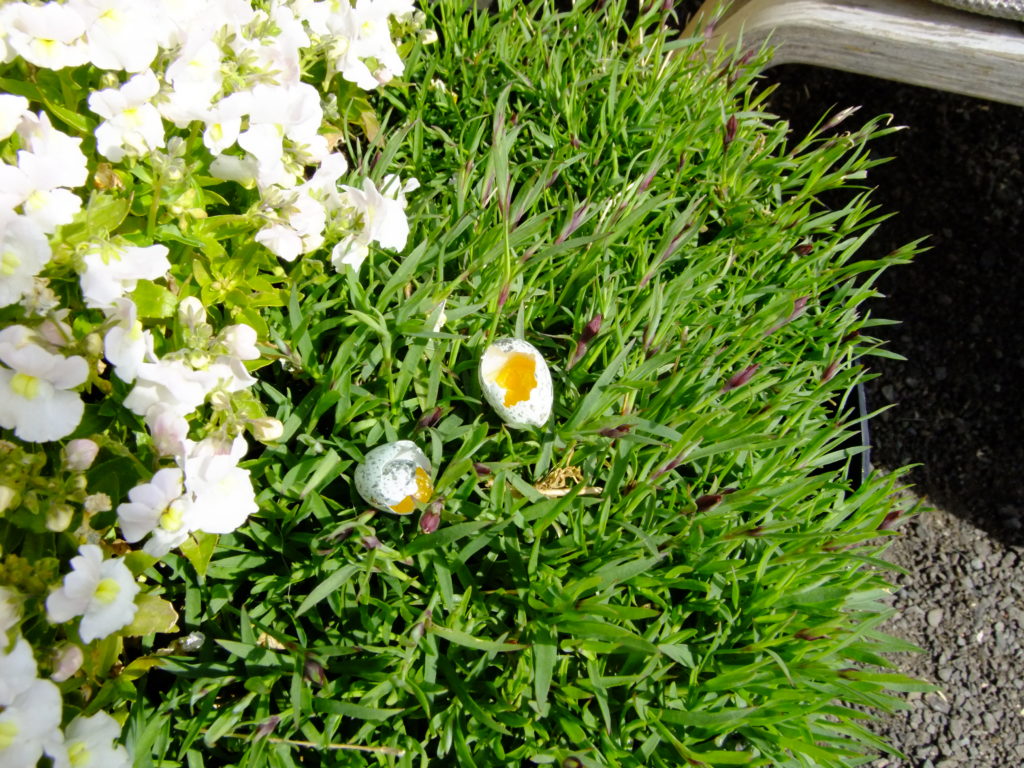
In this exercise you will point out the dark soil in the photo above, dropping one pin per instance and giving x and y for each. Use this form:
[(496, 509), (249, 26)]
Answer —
[(957, 176)]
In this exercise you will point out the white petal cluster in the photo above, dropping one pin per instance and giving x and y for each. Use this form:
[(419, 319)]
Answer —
[(209, 492), (111, 271), (36, 397), (101, 591), (91, 742), (30, 716), (30, 711), (131, 123), (381, 219), (35, 195)]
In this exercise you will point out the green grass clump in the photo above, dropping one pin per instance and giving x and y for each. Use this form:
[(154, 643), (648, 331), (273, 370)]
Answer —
[(705, 589)]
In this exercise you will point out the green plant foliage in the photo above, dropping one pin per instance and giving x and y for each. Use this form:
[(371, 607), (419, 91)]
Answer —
[(675, 571)]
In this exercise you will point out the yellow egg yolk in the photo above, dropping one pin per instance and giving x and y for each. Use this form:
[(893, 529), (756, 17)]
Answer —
[(518, 377), (424, 490)]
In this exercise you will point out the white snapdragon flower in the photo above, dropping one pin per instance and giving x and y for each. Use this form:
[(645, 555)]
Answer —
[(224, 121), (101, 591), (241, 170), (157, 509), (349, 252), (196, 78), (36, 400), (363, 32), (112, 271), (221, 491), (29, 185), (49, 35), (281, 112), (384, 220), (299, 227), (59, 155), (171, 384), (91, 742), (24, 251), (11, 110), (17, 670), (168, 427), (131, 125), (127, 344), (30, 726), (119, 33)]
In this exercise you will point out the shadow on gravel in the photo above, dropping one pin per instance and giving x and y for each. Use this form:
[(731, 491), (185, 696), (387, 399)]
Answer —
[(958, 176)]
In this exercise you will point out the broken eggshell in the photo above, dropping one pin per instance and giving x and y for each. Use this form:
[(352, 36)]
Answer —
[(395, 477), (516, 382)]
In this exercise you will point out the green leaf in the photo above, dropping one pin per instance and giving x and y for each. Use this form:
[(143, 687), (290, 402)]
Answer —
[(154, 301), (334, 581), (153, 614), (198, 548)]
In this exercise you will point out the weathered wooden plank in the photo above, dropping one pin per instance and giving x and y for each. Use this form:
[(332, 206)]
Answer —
[(911, 41)]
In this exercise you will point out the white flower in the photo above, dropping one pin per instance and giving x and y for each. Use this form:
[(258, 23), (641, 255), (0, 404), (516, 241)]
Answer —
[(298, 230), (17, 670), (30, 725), (120, 33), (29, 184), (59, 156), (221, 491), (224, 121), (158, 508), (168, 428), (49, 35), (91, 742), (349, 252), (113, 271), (35, 400), (240, 340), (242, 170), (132, 125), (101, 591), (24, 251), (384, 218), (169, 383), (196, 78), (127, 345), (11, 110), (80, 454)]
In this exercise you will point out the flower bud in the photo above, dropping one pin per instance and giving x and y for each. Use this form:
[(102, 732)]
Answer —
[(94, 345), (7, 497), (98, 502), (58, 518), (79, 454), (240, 340), (430, 520), (191, 312), (266, 429), (66, 661), (220, 400)]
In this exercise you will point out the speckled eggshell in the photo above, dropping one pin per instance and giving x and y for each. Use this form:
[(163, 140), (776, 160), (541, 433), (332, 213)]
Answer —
[(536, 409), (388, 474)]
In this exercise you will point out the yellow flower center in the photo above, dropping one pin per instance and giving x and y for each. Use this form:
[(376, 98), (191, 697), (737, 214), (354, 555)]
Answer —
[(78, 754), (107, 590), (171, 519), (424, 490), (24, 385), (518, 377), (8, 733), (135, 332), (9, 263)]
